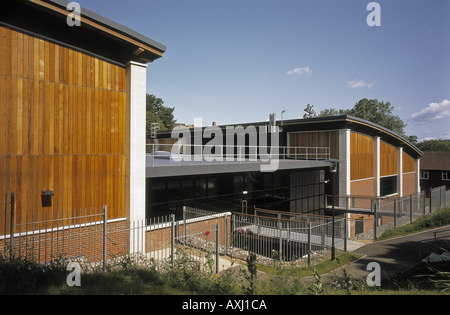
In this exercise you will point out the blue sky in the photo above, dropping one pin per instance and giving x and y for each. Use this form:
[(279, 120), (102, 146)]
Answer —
[(237, 61)]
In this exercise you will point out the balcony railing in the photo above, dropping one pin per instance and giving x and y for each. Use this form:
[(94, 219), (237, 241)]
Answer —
[(182, 154)]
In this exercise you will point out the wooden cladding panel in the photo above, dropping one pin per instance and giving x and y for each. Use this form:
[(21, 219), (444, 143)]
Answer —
[(409, 164), (361, 156), (388, 159), (62, 127), (316, 139)]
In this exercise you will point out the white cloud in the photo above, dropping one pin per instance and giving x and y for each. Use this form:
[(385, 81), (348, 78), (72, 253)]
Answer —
[(433, 112), (300, 71), (354, 84)]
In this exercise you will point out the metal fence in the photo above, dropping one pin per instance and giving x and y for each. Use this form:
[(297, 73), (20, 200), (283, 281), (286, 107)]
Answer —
[(299, 240), (439, 198), (44, 237), (203, 238), (369, 217), (198, 239)]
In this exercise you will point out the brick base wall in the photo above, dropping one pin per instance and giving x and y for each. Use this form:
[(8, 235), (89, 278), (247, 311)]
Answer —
[(79, 241)]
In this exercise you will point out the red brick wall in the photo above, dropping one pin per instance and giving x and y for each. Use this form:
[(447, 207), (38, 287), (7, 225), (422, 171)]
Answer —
[(81, 240), (409, 183), (161, 238), (365, 189)]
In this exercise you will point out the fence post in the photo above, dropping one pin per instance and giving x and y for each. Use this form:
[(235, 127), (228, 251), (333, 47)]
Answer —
[(345, 232), (410, 208), (172, 243), (281, 239), (375, 223), (11, 233), (309, 244), (105, 211), (424, 200), (431, 193), (444, 195), (184, 224), (217, 247), (395, 212), (226, 235)]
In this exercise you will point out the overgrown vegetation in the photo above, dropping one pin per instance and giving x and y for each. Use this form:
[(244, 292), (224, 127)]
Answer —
[(438, 218), (186, 278), (142, 276)]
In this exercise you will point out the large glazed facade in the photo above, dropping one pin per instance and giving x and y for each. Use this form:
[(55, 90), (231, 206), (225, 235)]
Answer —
[(372, 163)]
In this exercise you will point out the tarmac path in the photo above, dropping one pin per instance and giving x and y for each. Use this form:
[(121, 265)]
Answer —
[(393, 255)]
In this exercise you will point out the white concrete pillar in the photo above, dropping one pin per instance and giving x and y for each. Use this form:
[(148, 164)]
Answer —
[(376, 165), (417, 162), (400, 172), (344, 165), (135, 149)]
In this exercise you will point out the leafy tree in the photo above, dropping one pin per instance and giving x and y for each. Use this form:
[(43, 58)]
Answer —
[(328, 112), (380, 113), (434, 145), (309, 112), (412, 139), (158, 113), (372, 110)]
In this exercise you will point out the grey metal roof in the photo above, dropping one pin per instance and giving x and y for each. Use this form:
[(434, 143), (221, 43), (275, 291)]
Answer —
[(112, 25), (165, 167)]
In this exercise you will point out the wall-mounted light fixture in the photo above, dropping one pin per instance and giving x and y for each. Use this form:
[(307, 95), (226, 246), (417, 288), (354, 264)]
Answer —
[(46, 198)]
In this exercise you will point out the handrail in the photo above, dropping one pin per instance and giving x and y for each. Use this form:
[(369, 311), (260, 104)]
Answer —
[(435, 238), (239, 153)]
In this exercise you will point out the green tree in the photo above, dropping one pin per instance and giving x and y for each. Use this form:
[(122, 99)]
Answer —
[(329, 112), (158, 113), (380, 113), (309, 112), (434, 145)]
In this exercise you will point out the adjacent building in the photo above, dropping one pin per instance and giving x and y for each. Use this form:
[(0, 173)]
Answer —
[(435, 170)]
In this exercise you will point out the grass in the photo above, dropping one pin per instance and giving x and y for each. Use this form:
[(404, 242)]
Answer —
[(321, 268), (23, 277), (438, 218)]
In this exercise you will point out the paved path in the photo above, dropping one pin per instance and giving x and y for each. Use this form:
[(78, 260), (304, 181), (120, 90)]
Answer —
[(393, 255)]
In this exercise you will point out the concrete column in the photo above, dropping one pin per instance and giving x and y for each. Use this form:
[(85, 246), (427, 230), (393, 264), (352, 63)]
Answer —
[(417, 162), (344, 165), (376, 165), (400, 171), (135, 147)]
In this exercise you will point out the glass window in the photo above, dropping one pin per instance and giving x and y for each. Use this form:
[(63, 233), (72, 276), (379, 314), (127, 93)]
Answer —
[(424, 175), (446, 175), (388, 185)]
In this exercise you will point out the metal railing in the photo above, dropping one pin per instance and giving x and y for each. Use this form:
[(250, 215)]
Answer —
[(198, 239), (277, 240), (378, 214), (435, 241), (178, 154), (45, 237)]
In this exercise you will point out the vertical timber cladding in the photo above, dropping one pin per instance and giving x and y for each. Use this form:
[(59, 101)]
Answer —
[(361, 156), (409, 175), (388, 159), (62, 128), (315, 139), (362, 180)]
